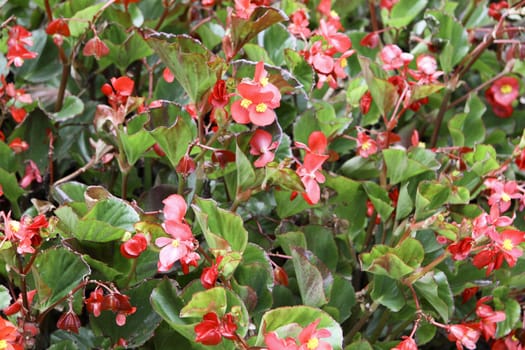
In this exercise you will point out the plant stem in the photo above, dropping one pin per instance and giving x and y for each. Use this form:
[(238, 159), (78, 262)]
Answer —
[(360, 323), (423, 271)]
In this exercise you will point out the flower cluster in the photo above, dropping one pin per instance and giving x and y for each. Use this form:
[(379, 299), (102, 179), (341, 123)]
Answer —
[(15, 100), (328, 48), (501, 94), (10, 338), (258, 99), (18, 41), (180, 245), (23, 234), (114, 301)]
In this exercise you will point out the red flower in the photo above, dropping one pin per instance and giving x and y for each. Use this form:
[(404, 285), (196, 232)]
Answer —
[(260, 145), (94, 302), (468, 293), (338, 42), (186, 166), (460, 250), (32, 173), (520, 160), (310, 336), (388, 4), (95, 47), (371, 40), (505, 90), (488, 318), (18, 145), (365, 102), (120, 304), (133, 247), (495, 9), (219, 96), (58, 26), (10, 339), (407, 344), (311, 176), (17, 305), (69, 321), (211, 331), (393, 57), (210, 274), (223, 157), (280, 276), (463, 335), (258, 100), (502, 193), (244, 8), (119, 91)]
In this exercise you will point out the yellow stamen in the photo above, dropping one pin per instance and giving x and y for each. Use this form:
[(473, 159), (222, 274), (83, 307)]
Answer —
[(365, 146), (245, 103), (334, 14), (3, 344), (507, 244), (506, 89), (344, 63), (505, 197), (264, 81), (312, 344), (14, 226), (175, 243), (261, 108)]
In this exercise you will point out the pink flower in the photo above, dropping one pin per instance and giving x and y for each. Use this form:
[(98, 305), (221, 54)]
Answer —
[(18, 39), (258, 100), (311, 176), (95, 47), (463, 335), (309, 337), (317, 143), (505, 90), (371, 40), (393, 57), (502, 193), (244, 8), (260, 145), (273, 342), (31, 174), (365, 145), (426, 72), (174, 208), (407, 344), (299, 24), (339, 42)]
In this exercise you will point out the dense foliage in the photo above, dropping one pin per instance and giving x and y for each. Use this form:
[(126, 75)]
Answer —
[(251, 174)]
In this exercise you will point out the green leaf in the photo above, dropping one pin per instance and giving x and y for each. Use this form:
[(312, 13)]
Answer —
[(72, 107), (135, 142), (388, 292), (279, 320), (277, 39), (379, 198), (320, 241), (430, 196), (56, 273), (244, 30), (455, 38), (223, 230), (304, 125), (405, 205), (342, 297), (309, 279), (404, 12), (482, 160), (328, 120), (80, 21), (69, 192), (174, 140), (12, 190), (512, 311), (5, 297), (289, 240), (434, 288), (192, 64), (201, 303), (400, 167), (245, 172), (287, 207), (300, 69)]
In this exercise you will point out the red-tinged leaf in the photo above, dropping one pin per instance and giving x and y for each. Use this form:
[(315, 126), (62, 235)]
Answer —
[(244, 30)]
